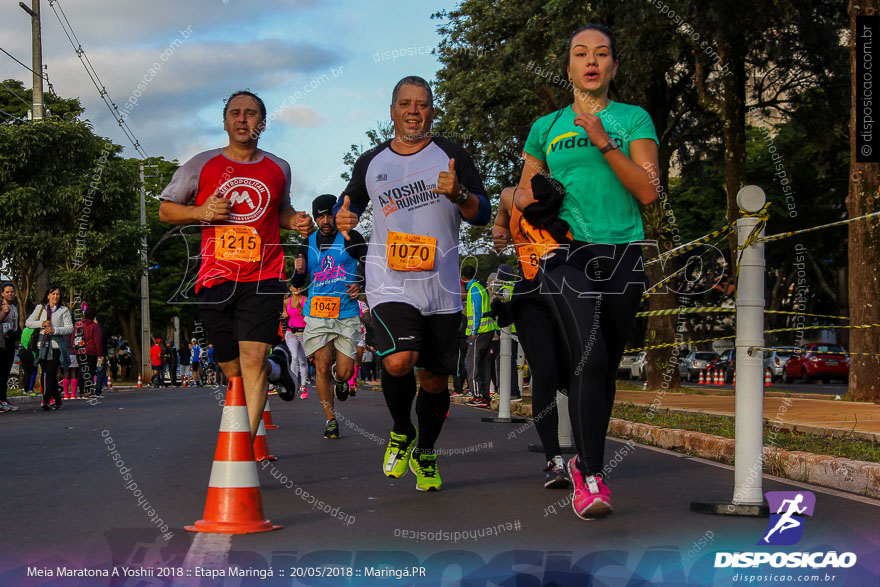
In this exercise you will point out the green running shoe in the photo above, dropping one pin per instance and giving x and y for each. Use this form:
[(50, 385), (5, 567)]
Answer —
[(425, 468), (397, 455), (332, 429)]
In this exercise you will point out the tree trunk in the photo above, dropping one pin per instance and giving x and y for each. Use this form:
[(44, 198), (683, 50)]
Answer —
[(864, 241), (734, 113), (132, 334)]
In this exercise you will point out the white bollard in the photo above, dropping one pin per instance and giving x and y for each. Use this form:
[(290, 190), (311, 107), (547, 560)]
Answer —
[(564, 427), (749, 333), (504, 375), (748, 497)]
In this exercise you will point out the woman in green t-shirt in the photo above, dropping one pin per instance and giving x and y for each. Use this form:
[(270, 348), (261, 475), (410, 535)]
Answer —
[(601, 151)]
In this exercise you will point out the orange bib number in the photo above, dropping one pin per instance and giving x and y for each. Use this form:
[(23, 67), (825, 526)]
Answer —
[(237, 243), (530, 253), (529, 258), (324, 307), (411, 252)]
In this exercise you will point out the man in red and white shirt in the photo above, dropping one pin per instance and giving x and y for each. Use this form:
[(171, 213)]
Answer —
[(241, 197)]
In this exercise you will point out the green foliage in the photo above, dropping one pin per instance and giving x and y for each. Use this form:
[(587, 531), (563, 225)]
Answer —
[(16, 99)]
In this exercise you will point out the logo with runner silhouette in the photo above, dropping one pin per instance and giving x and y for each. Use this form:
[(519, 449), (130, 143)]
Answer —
[(786, 525), (249, 198)]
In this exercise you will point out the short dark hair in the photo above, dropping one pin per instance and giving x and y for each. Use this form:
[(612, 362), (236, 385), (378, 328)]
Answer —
[(410, 80), (90, 313), (6, 284), (468, 272), (245, 93)]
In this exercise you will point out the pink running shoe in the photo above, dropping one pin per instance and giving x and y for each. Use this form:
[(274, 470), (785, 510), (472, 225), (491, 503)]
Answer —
[(591, 498), (304, 392)]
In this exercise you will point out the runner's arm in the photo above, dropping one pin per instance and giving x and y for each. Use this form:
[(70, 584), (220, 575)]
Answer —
[(300, 279)]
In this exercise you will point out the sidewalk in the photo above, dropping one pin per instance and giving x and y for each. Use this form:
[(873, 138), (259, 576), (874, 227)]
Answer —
[(800, 414)]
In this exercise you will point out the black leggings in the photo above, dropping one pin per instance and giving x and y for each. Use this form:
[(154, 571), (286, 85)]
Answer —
[(50, 377), (595, 293), (546, 355)]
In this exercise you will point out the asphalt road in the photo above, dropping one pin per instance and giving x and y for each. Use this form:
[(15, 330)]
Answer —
[(65, 504)]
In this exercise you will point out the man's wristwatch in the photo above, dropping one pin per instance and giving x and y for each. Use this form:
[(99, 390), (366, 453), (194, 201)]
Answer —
[(462, 196), (612, 144)]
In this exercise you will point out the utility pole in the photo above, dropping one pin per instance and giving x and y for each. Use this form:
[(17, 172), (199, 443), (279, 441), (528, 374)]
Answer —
[(145, 281), (37, 53)]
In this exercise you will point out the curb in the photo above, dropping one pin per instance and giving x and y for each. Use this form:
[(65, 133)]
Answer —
[(859, 477)]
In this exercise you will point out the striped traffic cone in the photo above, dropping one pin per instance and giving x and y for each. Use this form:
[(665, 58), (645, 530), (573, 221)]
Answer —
[(768, 378), (234, 504), (109, 381), (702, 380), (717, 373), (267, 417), (261, 447), (734, 377), (140, 383)]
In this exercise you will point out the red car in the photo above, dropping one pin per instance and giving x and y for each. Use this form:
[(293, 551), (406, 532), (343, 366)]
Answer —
[(817, 360)]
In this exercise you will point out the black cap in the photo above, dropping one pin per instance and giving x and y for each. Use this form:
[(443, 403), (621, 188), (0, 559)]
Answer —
[(323, 204)]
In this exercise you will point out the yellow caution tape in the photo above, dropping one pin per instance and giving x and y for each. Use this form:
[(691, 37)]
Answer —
[(667, 345), (775, 237), (691, 245), (711, 310)]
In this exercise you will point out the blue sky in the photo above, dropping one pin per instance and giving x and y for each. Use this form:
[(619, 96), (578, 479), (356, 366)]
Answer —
[(285, 50)]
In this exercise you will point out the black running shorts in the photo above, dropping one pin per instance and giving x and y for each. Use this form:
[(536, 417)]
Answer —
[(401, 327), (249, 311)]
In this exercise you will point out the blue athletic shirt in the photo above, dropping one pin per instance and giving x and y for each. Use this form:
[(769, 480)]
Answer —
[(333, 270)]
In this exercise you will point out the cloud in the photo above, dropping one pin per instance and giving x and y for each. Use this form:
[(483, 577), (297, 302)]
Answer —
[(302, 116)]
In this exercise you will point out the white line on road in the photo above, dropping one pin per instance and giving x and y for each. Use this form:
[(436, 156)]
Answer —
[(210, 551)]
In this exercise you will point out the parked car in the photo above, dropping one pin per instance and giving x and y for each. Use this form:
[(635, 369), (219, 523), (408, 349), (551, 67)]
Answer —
[(624, 369), (775, 360), (726, 361), (12, 382), (817, 360), (639, 367), (695, 362)]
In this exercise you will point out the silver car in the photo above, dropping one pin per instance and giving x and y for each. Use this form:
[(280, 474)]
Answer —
[(624, 369), (775, 359), (690, 366), (639, 367)]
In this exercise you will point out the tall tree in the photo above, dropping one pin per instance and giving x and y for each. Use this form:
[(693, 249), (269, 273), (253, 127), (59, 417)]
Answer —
[(864, 237)]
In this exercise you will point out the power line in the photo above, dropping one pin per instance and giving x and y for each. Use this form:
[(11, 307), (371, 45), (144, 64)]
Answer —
[(20, 99), (13, 116), (45, 75), (93, 75)]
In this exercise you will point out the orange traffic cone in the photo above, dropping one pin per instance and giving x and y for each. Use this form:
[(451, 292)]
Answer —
[(109, 381), (734, 377), (140, 384), (768, 378), (267, 417), (702, 380), (234, 504), (261, 447), (185, 379)]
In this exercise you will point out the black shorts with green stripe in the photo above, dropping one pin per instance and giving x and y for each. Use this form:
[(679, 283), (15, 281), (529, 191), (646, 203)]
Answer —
[(401, 327)]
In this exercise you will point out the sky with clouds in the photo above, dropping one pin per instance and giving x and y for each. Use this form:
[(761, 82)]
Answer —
[(325, 69)]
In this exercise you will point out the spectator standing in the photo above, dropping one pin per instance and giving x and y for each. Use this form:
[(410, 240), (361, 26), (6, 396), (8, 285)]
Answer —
[(183, 355), (9, 317), (156, 363), (90, 349), (195, 362), (54, 324), (172, 364), (481, 329), (104, 358)]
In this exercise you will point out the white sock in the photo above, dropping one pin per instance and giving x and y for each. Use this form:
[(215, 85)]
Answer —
[(274, 371)]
